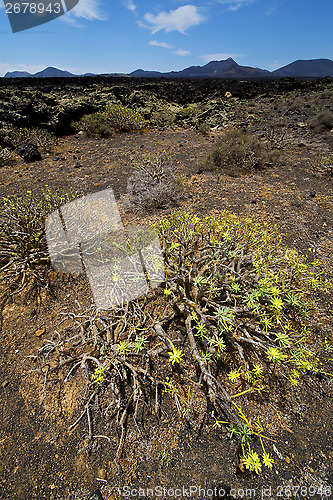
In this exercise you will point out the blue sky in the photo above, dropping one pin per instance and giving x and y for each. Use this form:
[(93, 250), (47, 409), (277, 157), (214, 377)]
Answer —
[(105, 36)]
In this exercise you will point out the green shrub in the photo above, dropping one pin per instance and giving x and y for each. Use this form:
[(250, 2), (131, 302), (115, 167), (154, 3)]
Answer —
[(95, 125), (237, 152), (234, 317), (114, 118), (39, 137), (123, 119)]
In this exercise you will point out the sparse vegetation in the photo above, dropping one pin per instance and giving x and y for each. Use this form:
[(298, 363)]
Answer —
[(236, 153), (153, 184), (6, 156), (39, 137), (323, 165), (323, 121), (23, 248), (239, 304)]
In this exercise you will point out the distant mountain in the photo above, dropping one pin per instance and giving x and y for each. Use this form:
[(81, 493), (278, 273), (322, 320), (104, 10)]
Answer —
[(227, 69), (317, 68), (51, 72), (17, 74), (214, 69)]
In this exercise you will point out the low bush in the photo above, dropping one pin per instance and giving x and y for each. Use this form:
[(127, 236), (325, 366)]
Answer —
[(123, 119), (323, 165), (39, 137), (153, 184), (6, 156), (323, 121), (203, 128), (233, 319), (23, 247), (95, 125), (161, 120), (114, 118), (236, 153)]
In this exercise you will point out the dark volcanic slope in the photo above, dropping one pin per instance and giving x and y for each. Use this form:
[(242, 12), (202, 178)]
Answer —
[(317, 68)]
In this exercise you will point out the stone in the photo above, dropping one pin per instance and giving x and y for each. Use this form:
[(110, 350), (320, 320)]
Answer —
[(40, 332), (29, 152)]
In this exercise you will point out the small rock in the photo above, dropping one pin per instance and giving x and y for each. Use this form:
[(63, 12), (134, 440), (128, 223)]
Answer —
[(301, 124), (40, 332), (77, 165), (287, 459), (5, 383), (81, 132), (101, 473), (29, 152), (199, 171), (56, 158), (254, 202), (312, 194)]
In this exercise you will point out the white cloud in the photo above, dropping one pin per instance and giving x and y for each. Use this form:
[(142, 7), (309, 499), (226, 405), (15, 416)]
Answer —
[(220, 56), (130, 5), (160, 44), (181, 52), (176, 20), (85, 9), (235, 4)]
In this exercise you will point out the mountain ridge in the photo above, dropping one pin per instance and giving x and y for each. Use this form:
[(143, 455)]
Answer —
[(227, 69)]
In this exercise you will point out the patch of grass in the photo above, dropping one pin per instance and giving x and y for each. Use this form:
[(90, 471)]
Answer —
[(236, 153), (203, 128)]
